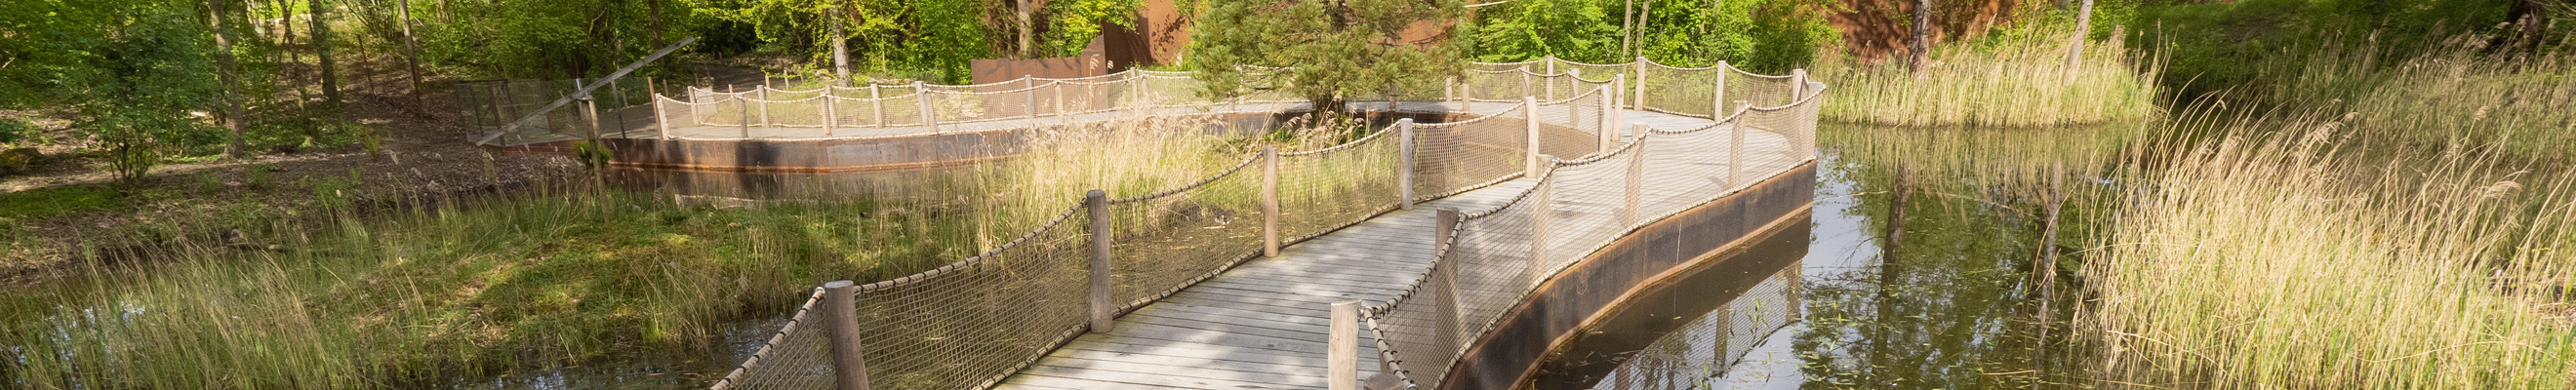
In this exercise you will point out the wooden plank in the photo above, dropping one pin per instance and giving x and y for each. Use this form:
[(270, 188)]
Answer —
[(1146, 379), (1113, 370)]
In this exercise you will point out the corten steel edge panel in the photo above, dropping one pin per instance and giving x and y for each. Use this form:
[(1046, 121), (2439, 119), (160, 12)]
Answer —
[(912, 152), (1583, 293)]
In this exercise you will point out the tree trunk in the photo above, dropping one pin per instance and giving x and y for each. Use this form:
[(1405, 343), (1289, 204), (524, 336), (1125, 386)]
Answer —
[(224, 70), (655, 6), (410, 49), (322, 49), (2083, 29), (1922, 47), (1627, 28), (286, 30), (1645, 16), (841, 46), (1026, 52)]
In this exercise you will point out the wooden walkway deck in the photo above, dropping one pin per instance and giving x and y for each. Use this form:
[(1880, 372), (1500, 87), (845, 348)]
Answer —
[(1262, 325)]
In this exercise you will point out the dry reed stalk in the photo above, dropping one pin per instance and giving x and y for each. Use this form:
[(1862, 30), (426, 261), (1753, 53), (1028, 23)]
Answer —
[(2024, 83), (2279, 260)]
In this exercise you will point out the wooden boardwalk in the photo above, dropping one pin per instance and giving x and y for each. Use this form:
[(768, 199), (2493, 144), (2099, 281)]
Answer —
[(1262, 325)]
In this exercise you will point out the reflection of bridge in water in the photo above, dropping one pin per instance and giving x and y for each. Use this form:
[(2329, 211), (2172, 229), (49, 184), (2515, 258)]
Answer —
[(1422, 250)]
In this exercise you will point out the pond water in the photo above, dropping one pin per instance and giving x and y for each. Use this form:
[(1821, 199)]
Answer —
[(1959, 307)]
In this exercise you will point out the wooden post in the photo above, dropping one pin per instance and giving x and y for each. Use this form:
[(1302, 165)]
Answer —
[(1605, 128), (744, 120), (1717, 99), (1444, 276), (1345, 345), (590, 114), (1637, 179), (1529, 111), (876, 103), (1102, 309), (831, 111), (1640, 99), (1449, 88), (1798, 85), (1547, 82), (841, 321), (1544, 204), (1735, 151), (1618, 113), (661, 119), (922, 94), (1030, 86), (1270, 201), (1404, 151), (764, 103)]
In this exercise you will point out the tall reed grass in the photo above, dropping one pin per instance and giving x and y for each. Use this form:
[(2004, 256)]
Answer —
[(2017, 82), (441, 288), (2283, 258), (2517, 106)]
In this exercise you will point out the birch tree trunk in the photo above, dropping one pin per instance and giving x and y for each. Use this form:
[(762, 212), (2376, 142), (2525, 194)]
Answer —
[(2083, 28)]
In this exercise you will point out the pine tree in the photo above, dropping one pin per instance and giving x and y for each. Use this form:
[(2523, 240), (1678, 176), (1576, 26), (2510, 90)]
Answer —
[(1335, 50)]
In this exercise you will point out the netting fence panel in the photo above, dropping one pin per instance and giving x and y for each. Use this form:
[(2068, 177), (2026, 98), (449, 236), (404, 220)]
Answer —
[(1508, 85), (1686, 162), (1326, 189), (1165, 241), (1583, 115), (1455, 157), (1761, 90), (1682, 91)]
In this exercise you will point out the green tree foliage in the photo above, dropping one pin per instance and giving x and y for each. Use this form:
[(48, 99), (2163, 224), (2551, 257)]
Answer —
[(2245, 45), (931, 37), (1766, 35), (1072, 24), (1334, 50), (129, 72)]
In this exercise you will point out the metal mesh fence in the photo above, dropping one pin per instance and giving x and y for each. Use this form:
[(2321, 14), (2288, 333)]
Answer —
[(1702, 350)]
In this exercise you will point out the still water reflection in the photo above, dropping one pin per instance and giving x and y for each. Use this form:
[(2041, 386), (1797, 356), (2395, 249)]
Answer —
[(1956, 308)]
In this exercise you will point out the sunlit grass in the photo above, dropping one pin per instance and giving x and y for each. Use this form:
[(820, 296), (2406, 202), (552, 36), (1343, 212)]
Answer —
[(2280, 258), (2026, 83)]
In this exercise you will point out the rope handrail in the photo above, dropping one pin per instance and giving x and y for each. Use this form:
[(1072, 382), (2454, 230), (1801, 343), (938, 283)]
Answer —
[(1470, 139), (1382, 319)]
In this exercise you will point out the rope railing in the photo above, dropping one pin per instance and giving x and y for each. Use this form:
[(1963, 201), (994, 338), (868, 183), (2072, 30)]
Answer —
[(764, 112), (1489, 260), (971, 323)]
